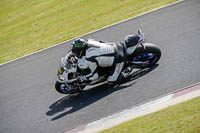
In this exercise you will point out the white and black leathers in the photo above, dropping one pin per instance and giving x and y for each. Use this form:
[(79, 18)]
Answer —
[(103, 55)]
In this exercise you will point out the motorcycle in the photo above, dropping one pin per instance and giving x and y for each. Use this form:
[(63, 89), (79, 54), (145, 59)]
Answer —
[(143, 55)]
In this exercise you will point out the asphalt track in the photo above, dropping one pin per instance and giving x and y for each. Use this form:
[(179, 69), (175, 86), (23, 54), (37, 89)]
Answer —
[(29, 103)]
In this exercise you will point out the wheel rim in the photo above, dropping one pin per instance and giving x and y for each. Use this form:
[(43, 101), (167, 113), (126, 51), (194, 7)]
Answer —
[(67, 90), (147, 58)]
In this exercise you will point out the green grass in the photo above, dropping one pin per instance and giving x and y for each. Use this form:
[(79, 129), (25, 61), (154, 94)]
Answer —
[(181, 118), (30, 25)]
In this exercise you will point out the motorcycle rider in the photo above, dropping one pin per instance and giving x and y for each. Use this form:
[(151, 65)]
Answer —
[(92, 54)]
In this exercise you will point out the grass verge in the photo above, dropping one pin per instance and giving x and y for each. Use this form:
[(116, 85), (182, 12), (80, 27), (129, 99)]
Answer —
[(181, 118), (30, 25)]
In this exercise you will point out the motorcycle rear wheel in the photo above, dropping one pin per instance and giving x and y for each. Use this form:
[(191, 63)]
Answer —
[(146, 56)]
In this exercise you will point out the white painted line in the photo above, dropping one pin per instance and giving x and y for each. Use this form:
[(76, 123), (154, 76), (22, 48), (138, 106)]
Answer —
[(125, 115), (142, 109), (138, 111), (93, 31)]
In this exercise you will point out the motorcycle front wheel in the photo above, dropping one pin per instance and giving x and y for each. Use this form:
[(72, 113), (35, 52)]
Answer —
[(67, 89)]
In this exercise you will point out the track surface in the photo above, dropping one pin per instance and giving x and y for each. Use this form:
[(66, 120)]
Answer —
[(29, 103)]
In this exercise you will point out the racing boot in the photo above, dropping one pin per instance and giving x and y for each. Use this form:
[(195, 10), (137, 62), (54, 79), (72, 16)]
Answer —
[(126, 72)]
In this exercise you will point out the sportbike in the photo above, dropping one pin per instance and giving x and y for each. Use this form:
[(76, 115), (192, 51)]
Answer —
[(145, 55)]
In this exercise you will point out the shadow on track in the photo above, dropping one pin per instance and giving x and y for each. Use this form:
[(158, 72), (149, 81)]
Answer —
[(72, 103)]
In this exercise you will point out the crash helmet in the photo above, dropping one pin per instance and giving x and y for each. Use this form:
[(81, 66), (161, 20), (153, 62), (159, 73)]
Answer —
[(78, 47)]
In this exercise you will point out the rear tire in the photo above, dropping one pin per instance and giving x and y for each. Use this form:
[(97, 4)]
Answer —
[(150, 49)]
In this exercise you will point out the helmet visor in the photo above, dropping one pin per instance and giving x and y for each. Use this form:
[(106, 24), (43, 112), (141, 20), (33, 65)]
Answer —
[(77, 52)]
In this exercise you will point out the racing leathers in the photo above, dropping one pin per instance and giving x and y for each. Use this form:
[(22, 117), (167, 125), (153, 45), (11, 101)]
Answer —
[(100, 54)]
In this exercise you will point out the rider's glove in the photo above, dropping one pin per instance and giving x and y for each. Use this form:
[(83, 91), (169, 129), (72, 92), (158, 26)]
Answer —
[(82, 79)]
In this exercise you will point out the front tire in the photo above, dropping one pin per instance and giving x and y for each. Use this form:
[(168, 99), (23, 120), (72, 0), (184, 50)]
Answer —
[(58, 87), (70, 90)]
